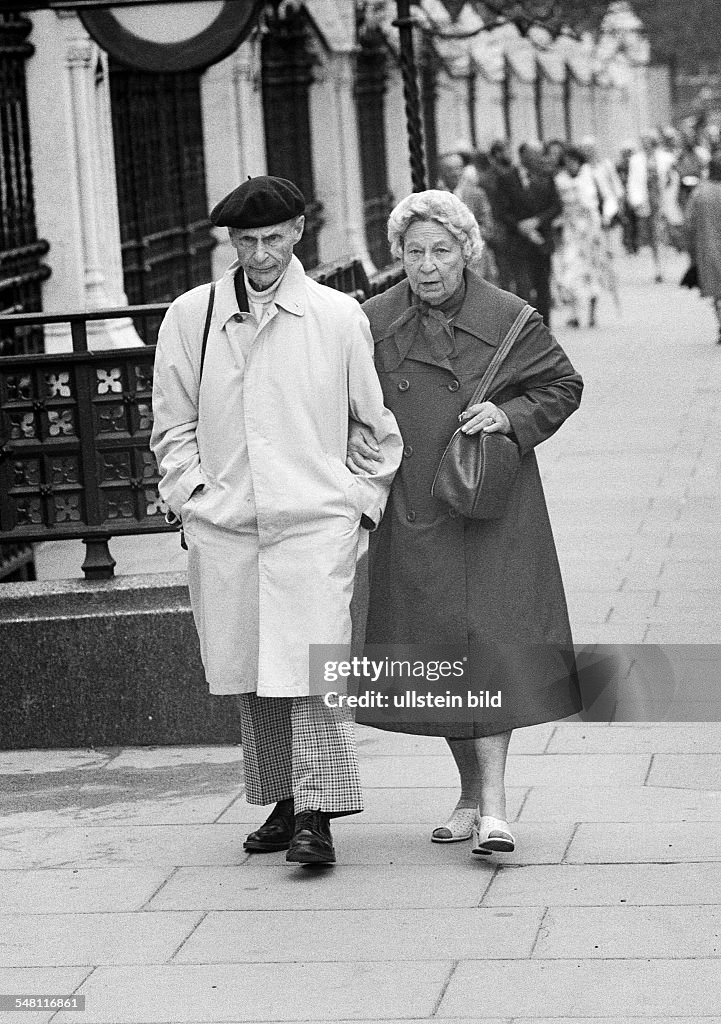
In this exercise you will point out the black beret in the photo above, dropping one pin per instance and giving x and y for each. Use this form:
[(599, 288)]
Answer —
[(259, 202)]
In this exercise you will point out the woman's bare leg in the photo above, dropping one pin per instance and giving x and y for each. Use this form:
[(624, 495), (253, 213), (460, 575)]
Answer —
[(481, 765)]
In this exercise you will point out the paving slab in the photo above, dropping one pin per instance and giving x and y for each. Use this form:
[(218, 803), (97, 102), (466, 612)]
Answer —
[(652, 989), (593, 885), (100, 846), (58, 940), (701, 738), (39, 762), (343, 887), (390, 806), (169, 757), (39, 981), (262, 992), (634, 804), (630, 932), (673, 842), (522, 770), (686, 771), (64, 891), (355, 936)]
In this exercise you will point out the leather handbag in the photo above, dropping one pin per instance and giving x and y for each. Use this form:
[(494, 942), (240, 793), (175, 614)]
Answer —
[(476, 472)]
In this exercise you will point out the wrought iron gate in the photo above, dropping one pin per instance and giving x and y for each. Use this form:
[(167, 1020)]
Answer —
[(21, 269), (164, 227)]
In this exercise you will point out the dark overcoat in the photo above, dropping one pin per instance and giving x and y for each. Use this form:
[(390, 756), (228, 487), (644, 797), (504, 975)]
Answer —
[(493, 587)]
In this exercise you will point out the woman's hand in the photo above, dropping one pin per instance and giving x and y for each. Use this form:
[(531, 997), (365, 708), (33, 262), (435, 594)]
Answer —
[(486, 417), (363, 452)]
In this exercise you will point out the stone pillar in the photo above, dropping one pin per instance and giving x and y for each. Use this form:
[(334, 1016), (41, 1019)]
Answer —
[(233, 132), (336, 160), (399, 171), (75, 189)]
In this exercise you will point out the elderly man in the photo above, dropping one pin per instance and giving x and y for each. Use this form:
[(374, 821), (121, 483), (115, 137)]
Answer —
[(255, 381)]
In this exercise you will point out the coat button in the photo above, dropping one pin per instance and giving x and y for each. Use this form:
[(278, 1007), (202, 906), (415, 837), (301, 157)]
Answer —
[(452, 513), (408, 451), (238, 318), (411, 517), (403, 385), (454, 385)]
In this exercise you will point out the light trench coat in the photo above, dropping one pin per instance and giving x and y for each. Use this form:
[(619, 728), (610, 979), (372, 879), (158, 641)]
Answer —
[(273, 534)]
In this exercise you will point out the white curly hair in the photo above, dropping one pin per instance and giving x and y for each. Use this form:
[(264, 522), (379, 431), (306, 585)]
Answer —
[(443, 207)]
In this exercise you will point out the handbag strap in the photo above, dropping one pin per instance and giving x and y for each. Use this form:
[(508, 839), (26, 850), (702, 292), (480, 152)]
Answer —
[(501, 352), (206, 330)]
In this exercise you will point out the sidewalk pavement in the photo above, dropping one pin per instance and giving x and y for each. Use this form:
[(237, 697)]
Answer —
[(122, 874)]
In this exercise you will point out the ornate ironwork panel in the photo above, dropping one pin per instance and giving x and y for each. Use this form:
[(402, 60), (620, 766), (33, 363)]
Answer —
[(370, 91), (165, 232), (286, 78), (74, 457), (21, 268)]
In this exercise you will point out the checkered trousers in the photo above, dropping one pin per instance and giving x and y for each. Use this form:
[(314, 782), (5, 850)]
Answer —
[(299, 747)]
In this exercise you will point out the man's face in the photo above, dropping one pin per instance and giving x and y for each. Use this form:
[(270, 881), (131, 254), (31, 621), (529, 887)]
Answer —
[(451, 169), (264, 253)]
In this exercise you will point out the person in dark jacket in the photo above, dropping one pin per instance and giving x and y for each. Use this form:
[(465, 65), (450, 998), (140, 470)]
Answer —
[(492, 588), (527, 205)]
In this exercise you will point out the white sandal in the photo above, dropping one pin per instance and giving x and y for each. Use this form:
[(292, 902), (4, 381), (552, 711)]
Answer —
[(459, 826), (492, 835)]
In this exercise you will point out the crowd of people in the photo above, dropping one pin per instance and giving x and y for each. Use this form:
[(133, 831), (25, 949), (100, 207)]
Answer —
[(549, 218)]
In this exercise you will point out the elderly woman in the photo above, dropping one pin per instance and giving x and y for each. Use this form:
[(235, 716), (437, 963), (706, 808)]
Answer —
[(491, 588)]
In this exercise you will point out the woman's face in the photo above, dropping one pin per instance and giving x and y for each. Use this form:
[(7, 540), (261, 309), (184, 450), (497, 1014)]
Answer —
[(433, 261)]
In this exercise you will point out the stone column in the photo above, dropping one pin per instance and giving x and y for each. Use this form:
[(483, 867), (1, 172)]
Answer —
[(336, 161), (233, 132), (74, 177)]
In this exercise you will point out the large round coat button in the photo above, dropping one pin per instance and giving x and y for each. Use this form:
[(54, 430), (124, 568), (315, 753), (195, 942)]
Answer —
[(411, 517), (452, 513), (408, 451), (403, 385), (454, 385)]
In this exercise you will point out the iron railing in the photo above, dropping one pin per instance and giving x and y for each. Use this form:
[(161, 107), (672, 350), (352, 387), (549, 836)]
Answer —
[(75, 426)]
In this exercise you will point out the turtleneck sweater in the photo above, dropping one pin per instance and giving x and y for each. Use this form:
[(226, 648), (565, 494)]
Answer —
[(260, 300)]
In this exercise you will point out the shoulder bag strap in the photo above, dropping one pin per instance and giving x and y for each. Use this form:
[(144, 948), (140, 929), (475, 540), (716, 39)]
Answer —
[(206, 330), (502, 351)]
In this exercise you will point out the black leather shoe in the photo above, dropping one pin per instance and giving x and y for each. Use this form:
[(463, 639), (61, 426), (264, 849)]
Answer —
[(312, 842), (275, 833)]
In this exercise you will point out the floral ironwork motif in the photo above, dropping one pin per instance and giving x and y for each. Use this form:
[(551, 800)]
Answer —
[(145, 414), (26, 473), (120, 509), (67, 508), (112, 419), (20, 387), (58, 384), (22, 425), (143, 378), (116, 466), (150, 466), (60, 421), (28, 511), (64, 471), (155, 505), (109, 381)]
